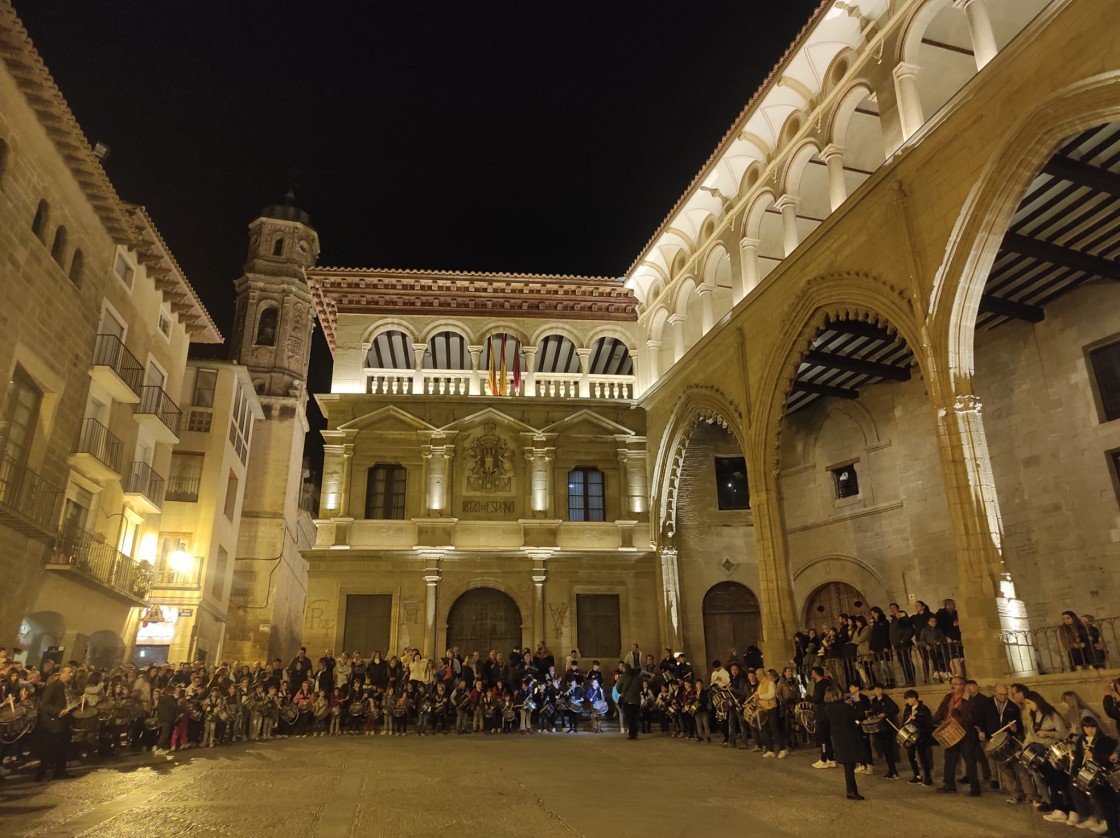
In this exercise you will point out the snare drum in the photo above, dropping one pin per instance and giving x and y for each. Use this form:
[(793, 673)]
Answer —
[(1003, 747), (151, 723), (1090, 777), (908, 735), (1033, 756), (948, 733), (106, 709), (14, 723), (85, 722), (1061, 756), (871, 725)]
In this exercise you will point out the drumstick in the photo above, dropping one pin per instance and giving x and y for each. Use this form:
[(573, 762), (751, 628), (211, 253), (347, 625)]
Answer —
[(12, 703)]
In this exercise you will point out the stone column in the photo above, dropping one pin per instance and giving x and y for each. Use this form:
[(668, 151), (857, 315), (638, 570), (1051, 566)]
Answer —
[(584, 353), (540, 576), (653, 359), (676, 321), (476, 380), (529, 374), (418, 350), (986, 602), (833, 156), (438, 456), (909, 102), (779, 614), (787, 205), (984, 46), (432, 576), (671, 602), (748, 250), (634, 476), (540, 484), (337, 467), (707, 317)]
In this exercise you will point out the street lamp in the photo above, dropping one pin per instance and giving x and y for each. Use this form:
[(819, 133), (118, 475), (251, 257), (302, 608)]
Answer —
[(181, 561)]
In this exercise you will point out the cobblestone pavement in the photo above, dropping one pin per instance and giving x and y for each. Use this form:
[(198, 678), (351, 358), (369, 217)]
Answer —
[(540, 785)]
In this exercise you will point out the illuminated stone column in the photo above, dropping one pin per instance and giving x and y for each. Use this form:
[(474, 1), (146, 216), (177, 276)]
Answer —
[(337, 474), (787, 205), (438, 457), (476, 378), (584, 353), (707, 318), (910, 114), (540, 483), (432, 576), (984, 46), (833, 156), (671, 603), (653, 361), (676, 322), (529, 374), (634, 475), (748, 250), (418, 351), (540, 576)]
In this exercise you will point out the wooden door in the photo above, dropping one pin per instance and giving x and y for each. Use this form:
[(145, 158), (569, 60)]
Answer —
[(732, 620), (484, 619), (829, 601)]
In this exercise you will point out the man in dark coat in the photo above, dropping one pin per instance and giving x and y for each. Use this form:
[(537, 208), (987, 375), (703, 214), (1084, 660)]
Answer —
[(54, 720), (630, 697), (901, 633), (970, 716)]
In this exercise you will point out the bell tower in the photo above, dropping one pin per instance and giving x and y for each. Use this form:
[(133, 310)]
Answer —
[(274, 320), (272, 338)]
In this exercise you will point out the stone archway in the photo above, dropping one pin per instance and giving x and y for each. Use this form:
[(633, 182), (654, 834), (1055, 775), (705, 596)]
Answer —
[(828, 601), (732, 620), (104, 649), (483, 619), (44, 630)]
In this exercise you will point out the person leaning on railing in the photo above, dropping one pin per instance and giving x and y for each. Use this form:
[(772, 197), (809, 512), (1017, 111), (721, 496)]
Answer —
[(1076, 642)]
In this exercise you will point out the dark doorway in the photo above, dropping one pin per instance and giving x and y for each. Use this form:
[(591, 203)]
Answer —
[(732, 620), (598, 627), (484, 619), (368, 623), (831, 600)]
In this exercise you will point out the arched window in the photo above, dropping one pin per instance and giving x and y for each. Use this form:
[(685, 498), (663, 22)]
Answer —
[(5, 155), (58, 249), (278, 247), (585, 494), (76, 265), (266, 327), (385, 491), (39, 222)]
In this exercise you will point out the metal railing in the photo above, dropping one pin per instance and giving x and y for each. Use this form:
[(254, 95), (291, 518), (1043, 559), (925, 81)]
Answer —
[(168, 578), (184, 489), (156, 402), (143, 480), (904, 666), (96, 558), (99, 442), (1051, 649), (108, 351), (25, 493)]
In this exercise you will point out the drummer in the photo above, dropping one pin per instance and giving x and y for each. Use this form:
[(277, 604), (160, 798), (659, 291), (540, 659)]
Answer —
[(883, 705), (957, 707), (921, 752), (1001, 713), (1096, 809)]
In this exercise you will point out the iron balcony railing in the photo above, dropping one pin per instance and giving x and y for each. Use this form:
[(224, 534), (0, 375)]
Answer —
[(168, 578), (27, 495), (144, 481), (109, 352), (154, 401), (98, 441), (96, 558), (1051, 649), (181, 488)]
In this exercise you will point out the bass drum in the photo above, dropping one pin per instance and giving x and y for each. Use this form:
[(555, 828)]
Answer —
[(1003, 747), (85, 723)]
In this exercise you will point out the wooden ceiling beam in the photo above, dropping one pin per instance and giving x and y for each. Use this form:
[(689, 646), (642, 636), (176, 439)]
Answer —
[(824, 390), (843, 362), (991, 304), (1058, 255), (1083, 174)]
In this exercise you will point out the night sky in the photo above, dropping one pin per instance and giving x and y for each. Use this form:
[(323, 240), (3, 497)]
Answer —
[(485, 135)]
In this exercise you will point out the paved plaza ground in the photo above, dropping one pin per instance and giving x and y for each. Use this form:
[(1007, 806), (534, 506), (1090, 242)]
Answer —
[(523, 786)]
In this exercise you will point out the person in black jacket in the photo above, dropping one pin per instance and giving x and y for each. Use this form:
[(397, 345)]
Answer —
[(54, 721), (821, 683), (999, 712), (883, 705), (901, 632), (922, 751), (299, 670), (847, 738), (1097, 808)]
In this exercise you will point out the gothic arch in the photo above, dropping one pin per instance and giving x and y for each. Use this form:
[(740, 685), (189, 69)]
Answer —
[(835, 297), (822, 411), (819, 571), (986, 214), (451, 594), (695, 405)]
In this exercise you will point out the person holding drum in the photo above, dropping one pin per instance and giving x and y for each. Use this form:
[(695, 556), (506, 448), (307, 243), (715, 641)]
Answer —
[(1003, 731), (884, 708), (958, 721), (916, 734), (1044, 727), (54, 709), (1092, 797)]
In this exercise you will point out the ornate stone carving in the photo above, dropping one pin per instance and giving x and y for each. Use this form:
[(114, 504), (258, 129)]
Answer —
[(491, 468)]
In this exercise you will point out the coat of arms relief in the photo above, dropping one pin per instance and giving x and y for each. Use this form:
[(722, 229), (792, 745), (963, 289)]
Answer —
[(491, 463)]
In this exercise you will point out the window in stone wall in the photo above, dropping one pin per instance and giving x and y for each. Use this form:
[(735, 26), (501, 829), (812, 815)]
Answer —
[(732, 490), (845, 480), (385, 485), (598, 627), (1114, 459), (1105, 361), (585, 494), (39, 222)]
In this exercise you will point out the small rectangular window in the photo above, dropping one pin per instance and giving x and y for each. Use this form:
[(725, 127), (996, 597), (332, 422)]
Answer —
[(231, 497), (199, 421), (123, 269), (385, 491), (164, 323), (186, 475), (732, 491), (585, 495), (204, 383), (845, 480), (1105, 362)]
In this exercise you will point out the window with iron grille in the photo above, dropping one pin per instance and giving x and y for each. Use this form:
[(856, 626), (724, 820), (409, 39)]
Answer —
[(732, 491), (185, 477), (1105, 361), (585, 494), (385, 485), (847, 483)]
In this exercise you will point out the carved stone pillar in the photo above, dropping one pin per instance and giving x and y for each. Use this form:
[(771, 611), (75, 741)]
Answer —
[(634, 477), (540, 576), (671, 603), (779, 614), (438, 456), (476, 380), (707, 317), (787, 205), (584, 354), (540, 483), (748, 250), (986, 601), (529, 374), (833, 156), (432, 576), (418, 351), (910, 114), (676, 322), (984, 46), (337, 475), (653, 361)]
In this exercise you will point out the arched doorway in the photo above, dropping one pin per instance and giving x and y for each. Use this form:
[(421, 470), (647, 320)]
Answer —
[(484, 619), (732, 620), (104, 649), (39, 632), (829, 601)]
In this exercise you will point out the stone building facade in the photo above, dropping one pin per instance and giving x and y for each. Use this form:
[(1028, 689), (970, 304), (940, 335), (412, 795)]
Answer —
[(891, 291)]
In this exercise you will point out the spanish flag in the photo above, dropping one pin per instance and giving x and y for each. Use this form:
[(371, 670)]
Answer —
[(502, 372), (493, 368)]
